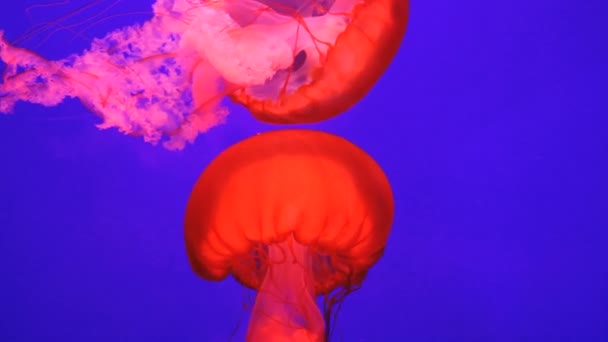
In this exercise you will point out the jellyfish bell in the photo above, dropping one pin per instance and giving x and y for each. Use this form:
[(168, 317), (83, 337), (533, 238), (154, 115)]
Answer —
[(340, 49), (293, 214), (165, 79)]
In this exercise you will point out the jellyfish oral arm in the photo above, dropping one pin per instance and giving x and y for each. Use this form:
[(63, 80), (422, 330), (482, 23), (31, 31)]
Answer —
[(28, 76), (285, 307), (243, 55)]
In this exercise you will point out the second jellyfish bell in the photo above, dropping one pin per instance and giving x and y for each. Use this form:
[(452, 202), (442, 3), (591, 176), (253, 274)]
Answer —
[(331, 52), (293, 214)]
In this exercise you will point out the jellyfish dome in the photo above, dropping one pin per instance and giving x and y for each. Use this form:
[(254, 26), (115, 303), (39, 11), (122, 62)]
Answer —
[(340, 48), (165, 79), (292, 214)]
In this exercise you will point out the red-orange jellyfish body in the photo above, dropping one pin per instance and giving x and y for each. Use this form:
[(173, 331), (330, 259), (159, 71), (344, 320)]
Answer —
[(293, 214), (343, 67)]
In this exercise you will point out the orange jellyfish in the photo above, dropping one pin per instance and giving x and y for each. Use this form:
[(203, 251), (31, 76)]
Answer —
[(287, 61), (293, 214)]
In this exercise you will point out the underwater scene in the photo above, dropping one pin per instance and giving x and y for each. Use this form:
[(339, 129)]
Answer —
[(303, 170)]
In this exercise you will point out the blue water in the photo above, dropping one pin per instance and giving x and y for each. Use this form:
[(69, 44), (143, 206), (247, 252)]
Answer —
[(491, 125)]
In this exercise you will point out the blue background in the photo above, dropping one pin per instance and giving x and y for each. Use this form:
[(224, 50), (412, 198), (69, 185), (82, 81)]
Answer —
[(491, 125)]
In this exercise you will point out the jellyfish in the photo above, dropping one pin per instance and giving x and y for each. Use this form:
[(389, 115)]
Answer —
[(293, 214), (287, 61)]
